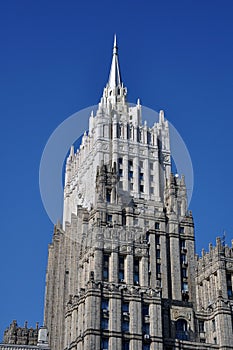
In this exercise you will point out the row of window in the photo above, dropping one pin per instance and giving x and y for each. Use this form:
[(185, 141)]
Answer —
[(125, 344)]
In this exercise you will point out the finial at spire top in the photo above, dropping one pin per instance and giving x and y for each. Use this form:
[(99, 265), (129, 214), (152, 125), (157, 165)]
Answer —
[(115, 48), (114, 76)]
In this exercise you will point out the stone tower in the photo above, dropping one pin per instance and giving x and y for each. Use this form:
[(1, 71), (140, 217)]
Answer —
[(122, 271)]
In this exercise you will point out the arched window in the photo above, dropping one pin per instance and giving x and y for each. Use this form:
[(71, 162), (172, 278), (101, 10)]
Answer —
[(182, 330)]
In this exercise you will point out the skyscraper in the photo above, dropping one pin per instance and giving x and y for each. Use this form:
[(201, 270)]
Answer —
[(122, 270)]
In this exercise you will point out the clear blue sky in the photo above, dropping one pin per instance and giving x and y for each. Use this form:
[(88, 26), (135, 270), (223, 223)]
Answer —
[(54, 61)]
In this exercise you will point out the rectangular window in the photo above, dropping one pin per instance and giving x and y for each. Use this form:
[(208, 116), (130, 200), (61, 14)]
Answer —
[(131, 186), (158, 268), (125, 307), (182, 244), (125, 344), (108, 195), (201, 326), (158, 254), (151, 166), (120, 160), (109, 218), (151, 178), (104, 304), (105, 267), (184, 272), (104, 323), (157, 225), (141, 176), (136, 271), (130, 174), (141, 188), (151, 190), (146, 328), (104, 344), (125, 326), (130, 163), (183, 258), (145, 309), (181, 229), (141, 164), (184, 287), (146, 347), (120, 172), (213, 326), (121, 269), (157, 239)]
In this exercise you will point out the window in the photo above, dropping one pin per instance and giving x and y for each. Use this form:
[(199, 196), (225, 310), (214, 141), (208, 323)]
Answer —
[(215, 340), (109, 218), (146, 347), (229, 286), (146, 328), (104, 323), (104, 304), (183, 258), (152, 190), (151, 166), (141, 176), (130, 163), (108, 195), (157, 239), (141, 164), (201, 326), (136, 271), (120, 160), (105, 267), (182, 244), (120, 172), (158, 268), (121, 269), (145, 309), (182, 330), (125, 307), (131, 186), (181, 229), (141, 188), (157, 225), (184, 286), (104, 344), (130, 174), (184, 272), (157, 254), (125, 326), (125, 344), (213, 326), (151, 178)]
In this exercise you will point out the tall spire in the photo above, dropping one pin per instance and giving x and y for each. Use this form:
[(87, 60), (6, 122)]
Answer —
[(115, 75)]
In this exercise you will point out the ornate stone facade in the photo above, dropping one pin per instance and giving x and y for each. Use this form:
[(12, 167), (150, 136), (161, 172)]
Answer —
[(122, 270)]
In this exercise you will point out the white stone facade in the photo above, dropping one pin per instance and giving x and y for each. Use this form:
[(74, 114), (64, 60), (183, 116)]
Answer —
[(122, 271)]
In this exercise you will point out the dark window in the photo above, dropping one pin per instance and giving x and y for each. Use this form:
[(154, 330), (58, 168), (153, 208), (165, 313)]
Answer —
[(201, 326), (141, 176), (108, 195), (146, 328), (104, 343), (130, 163), (141, 188), (121, 268), (213, 326), (182, 243), (183, 258), (120, 160), (125, 307), (104, 323), (104, 304), (130, 174), (145, 309), (181, 229), (146, 347), (182, 330), (109, 218), (151, 166), (157, 239), (157, 254), (105, 267), (215, 340), (120, 172), (125, 344), (158, 268), (184, 272), (184, 286), (125, 326), (136, 271), (157, 225)]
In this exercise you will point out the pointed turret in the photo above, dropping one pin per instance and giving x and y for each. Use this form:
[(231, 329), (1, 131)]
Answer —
[(115, 75)]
